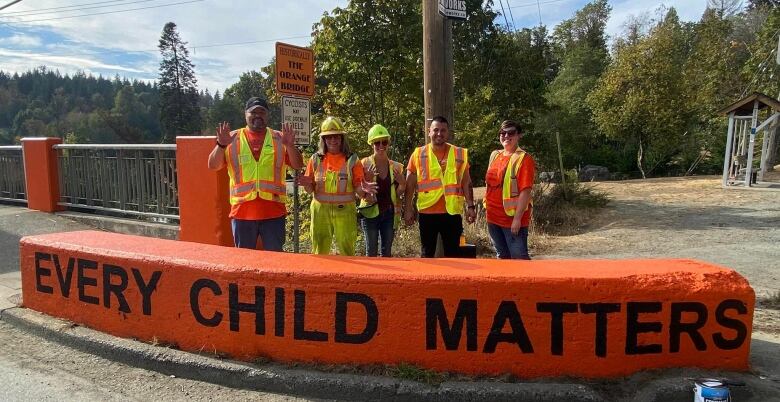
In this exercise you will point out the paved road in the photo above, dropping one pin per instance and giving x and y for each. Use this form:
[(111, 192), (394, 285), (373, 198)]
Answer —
[(17, 222), (33, 369)]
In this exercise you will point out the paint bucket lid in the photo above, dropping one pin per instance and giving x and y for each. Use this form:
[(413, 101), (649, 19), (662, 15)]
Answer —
[(710, 383)]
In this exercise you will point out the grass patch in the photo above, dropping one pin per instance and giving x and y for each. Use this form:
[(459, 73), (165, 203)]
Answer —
[(564, 209), (772, 301), (411, 372)]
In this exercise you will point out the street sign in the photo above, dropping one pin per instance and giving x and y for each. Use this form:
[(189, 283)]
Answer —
[(294, 70), (297, 113), (455, 9)]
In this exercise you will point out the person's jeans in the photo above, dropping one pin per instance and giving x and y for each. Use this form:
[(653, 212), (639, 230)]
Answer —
[(379, 230), (508, 245), (271, 231)]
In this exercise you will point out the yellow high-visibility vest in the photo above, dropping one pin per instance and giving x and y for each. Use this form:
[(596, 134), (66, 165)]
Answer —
[(510, 191), (372, 211), (251, 178), (333, 188), (432, 183)]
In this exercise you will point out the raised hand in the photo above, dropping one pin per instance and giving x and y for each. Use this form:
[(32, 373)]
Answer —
[(223, 133), (368, 187), (369, 172), (398, 172), (288, 135)]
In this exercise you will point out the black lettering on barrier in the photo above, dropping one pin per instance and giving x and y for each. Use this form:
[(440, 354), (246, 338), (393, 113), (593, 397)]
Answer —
[(83, 281), (434, 312), (258, 308), (372, 318), (676, 327), (66, 279), (737, 325), (601, 310), (279, 311), (634, 327), (147, 288), (299, 324), (41, 272), (507, 311), (197, 286), (117, 289), (556, 311)]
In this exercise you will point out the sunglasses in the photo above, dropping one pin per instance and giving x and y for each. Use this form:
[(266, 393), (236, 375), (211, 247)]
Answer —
[(382, 142), (508, 133)]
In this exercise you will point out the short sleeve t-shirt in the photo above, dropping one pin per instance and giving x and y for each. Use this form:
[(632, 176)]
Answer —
[(439, 207), (334, 163), (494, 180), (258, 209)]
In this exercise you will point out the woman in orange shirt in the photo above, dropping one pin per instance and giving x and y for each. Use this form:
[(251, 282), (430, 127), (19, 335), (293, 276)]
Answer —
[(509, 180), (335, 176)]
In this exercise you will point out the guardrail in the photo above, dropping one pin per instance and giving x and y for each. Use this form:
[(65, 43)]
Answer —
[(137, 179), (12, 174)]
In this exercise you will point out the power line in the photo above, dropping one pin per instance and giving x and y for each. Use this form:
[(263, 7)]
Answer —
[(9, 4), (512, 16), (61, 7), (73, 8), (108, 12), (501, 2)]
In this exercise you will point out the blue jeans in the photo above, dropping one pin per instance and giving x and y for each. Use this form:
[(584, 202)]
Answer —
[(379, 230), (271, 231), (508, 245)]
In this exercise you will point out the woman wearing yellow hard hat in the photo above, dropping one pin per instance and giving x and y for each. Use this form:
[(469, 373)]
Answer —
[(335, 176), (381, 212)]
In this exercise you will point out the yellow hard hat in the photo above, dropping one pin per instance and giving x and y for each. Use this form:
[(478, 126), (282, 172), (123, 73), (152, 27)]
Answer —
[(377, 132), (331, 125)]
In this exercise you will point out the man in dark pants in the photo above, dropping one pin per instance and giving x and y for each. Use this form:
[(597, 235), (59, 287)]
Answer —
[(439, 172)]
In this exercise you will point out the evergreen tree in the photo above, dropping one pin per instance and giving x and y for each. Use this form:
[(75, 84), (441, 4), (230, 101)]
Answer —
[(179, 111)]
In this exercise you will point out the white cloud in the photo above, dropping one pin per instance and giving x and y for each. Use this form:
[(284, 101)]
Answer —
[(21, 40), (37, 59)]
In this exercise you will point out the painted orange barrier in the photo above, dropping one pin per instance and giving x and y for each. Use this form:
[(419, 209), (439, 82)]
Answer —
[(596, 318), (203, 194), (41, 175)]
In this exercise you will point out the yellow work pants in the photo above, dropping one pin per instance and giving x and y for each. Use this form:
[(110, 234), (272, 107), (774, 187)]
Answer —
[(333, 220)]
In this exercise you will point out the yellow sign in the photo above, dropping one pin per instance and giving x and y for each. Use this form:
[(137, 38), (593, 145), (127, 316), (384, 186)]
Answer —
[(294, 70)]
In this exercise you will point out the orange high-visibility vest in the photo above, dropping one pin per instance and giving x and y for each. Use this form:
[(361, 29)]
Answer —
[(432, 183), (510, 192), (339, 191), (250, 178)]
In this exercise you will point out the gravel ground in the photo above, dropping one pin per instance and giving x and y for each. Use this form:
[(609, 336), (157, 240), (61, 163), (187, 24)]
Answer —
[(690, 217)]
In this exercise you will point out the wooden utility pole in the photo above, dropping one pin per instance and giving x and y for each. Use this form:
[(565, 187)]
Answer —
[(437, 65)]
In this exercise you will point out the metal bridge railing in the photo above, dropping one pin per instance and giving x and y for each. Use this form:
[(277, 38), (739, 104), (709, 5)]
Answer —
[(126, 179), (12, 186)]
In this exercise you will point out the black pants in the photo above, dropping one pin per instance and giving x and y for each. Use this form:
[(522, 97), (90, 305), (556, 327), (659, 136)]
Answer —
[(449, 226)]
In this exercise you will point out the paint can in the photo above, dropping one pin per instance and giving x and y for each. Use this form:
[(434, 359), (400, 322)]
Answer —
[(711, 390)]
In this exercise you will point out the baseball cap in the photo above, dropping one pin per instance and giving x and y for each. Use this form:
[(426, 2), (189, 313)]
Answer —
[(254, 102)]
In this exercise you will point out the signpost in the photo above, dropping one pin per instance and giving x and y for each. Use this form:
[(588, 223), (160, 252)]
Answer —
[(455, 9), (296, 112), (295, 82)]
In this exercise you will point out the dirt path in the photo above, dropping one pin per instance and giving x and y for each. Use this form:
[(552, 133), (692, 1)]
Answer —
[(688, 218)]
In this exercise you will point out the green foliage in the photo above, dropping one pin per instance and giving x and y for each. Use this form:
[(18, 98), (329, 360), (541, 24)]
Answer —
[(563, 208), (179, 111)]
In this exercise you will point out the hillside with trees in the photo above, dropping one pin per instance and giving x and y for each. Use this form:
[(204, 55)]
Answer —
[(643, 103)]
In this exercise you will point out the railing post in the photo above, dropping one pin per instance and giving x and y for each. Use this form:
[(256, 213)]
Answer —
[(41, 173), (203, 194)]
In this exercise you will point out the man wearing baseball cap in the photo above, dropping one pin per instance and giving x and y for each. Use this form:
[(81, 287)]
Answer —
[(257, 158)]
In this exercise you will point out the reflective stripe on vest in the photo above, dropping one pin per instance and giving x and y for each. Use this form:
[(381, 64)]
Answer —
[(344, 192), (510, 192), (250, 177), (433, 183)]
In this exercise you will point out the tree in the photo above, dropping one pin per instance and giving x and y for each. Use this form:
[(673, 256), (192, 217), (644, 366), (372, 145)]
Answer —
[(179, 112), (725, 8), (642, 98)]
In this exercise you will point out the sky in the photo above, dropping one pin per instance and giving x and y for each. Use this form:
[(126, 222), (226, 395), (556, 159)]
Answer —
[(226, 38)]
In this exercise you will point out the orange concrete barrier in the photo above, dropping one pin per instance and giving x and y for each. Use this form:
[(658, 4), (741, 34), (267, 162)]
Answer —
[(595, 318), (203, 194), (41, 173)]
